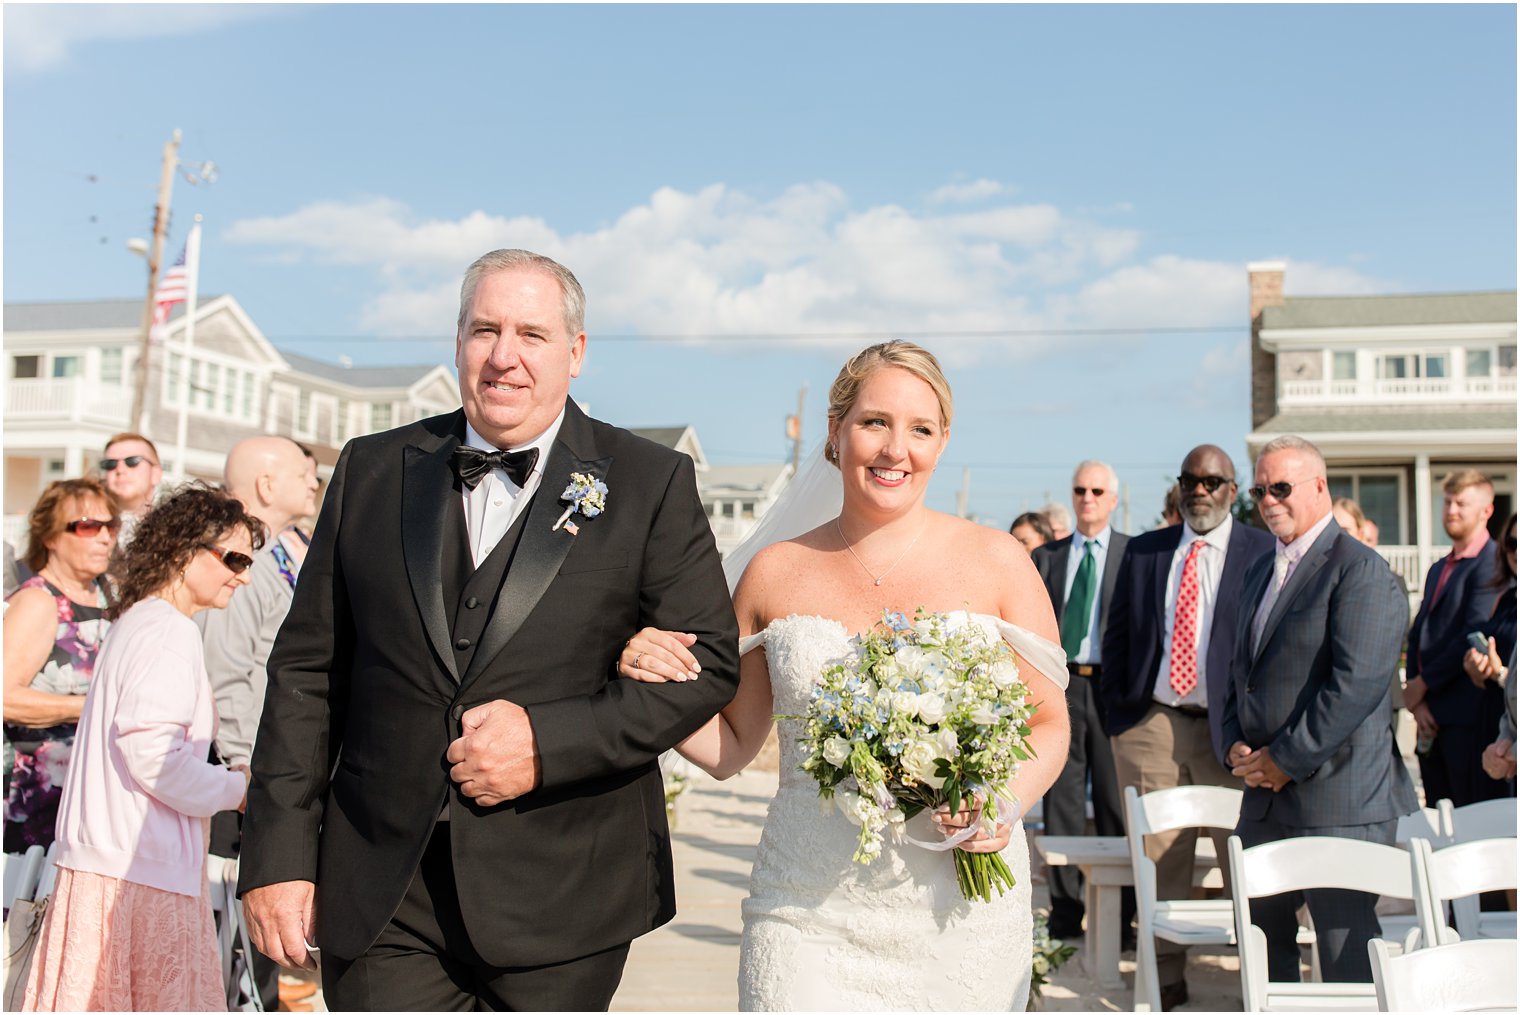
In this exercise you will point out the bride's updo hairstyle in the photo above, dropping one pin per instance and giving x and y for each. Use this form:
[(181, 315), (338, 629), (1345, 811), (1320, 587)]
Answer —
[(918, 361)]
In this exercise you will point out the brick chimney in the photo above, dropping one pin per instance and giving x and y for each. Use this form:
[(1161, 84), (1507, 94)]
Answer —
[(1266, 291)]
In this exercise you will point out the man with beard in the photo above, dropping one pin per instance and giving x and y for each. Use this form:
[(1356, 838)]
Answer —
[(1166, 663)]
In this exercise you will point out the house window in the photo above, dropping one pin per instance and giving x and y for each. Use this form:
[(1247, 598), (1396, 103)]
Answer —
[(247, 404), (303, 412), (229, 390), (1401, 366), (1343, 366), (110, 366), (380, 416), (25, 367), (67, 366), (340, 423), (1435, 365), (1506, 361), (1480, 362), (1377, 493)]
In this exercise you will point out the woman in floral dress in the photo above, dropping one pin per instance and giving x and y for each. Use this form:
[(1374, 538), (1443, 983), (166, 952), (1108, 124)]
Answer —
[(54, 624)]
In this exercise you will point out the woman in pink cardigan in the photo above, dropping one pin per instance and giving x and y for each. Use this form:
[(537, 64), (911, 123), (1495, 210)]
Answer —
[(129, 927)]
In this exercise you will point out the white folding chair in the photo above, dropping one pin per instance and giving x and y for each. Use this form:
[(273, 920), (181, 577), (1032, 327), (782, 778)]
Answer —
[(1427, 823), (1457, 874), (48, 873), (1462, 976), (1293, 865), (22, 872), (1183, 921), (1488, 819), (232, 936)]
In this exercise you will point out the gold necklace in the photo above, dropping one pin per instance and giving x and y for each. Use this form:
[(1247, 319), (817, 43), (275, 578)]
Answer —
[(878, 579)]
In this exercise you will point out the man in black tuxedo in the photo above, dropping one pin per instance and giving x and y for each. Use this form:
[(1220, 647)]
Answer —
[(1306, 713), (1459, 598), (1080, 572), (1166, 663), (454, 795)]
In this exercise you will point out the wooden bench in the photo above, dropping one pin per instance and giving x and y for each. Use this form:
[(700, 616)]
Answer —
[(1104, 862)]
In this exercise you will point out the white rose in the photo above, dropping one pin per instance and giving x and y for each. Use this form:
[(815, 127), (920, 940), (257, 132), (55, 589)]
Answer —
[(836, 751), (931, 707), (919, 760), (983, 715), (905, 703), (1004, 673), (935, 664), (889, 672), (1040, 965), (848, 802), (947, 742)]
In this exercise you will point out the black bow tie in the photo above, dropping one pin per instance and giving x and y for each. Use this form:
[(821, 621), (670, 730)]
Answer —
[(472, 464)]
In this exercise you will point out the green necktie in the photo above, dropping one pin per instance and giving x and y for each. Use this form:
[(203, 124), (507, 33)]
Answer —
[(1078, 613)]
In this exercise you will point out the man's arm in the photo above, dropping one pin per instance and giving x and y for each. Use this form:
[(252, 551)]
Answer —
[(1441, 662), (1366, 624), (1115, 681), (630, 723), (237, 648)]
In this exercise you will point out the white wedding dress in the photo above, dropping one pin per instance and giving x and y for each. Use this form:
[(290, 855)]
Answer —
[(822, 932)]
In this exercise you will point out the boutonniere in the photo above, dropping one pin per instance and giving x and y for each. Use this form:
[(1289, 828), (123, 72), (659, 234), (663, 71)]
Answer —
[(587, 495)]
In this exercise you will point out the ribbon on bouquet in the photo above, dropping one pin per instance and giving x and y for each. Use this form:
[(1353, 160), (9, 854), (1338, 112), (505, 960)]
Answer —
[(1006, 804)]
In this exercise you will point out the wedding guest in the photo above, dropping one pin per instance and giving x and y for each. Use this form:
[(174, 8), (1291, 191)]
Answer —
[(130, 469), (1369, 533), (296, 537), (129, 927), (1459, 599), (1166, 669), (1305, 713), (1348, 515), (1486, 669), (1499, 756), (53, 626), (1032, 529), (270, 477), (1079, 573), (1059, 518), (1171, 506)]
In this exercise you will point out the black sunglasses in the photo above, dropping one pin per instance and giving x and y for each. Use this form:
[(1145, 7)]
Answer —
[(88, 527), (131, 462), (1210, 483), (232, 560), (1280, 491), (1082, 491)]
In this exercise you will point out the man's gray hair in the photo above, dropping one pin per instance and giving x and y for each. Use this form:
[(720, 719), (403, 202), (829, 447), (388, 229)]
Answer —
[(573, 297), (1093, 463), (1292, 442)]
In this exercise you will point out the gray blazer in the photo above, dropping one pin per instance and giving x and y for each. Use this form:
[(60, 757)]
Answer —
[(1315, 692)]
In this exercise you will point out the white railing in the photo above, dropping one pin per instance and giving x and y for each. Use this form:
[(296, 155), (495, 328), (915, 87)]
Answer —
[(67, 398), (1405, 562), (1403, 389)]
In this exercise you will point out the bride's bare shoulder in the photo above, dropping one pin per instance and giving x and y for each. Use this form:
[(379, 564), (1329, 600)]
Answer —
[(982, 542), (782, 563)]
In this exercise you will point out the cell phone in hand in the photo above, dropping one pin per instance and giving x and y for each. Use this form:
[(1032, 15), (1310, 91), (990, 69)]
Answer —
[(1478, 641)]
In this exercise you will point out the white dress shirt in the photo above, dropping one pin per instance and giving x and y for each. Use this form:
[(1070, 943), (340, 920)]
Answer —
[(1286, 561), (1091, 650), (1210, 565), (494, 504)]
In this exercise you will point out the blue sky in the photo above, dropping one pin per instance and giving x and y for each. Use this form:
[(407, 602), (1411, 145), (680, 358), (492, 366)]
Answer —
[(938, 173)]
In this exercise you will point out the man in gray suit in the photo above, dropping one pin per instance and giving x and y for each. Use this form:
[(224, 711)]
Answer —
[(1306, 712)]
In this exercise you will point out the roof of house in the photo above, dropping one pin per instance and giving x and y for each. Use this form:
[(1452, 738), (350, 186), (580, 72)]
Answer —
[(360, 377), (81, 315), (1399, 419), (743, 478), (669, 436), (1385, 311)]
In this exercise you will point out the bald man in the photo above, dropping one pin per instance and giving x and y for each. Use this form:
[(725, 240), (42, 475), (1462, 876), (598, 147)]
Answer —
[(270, 476)]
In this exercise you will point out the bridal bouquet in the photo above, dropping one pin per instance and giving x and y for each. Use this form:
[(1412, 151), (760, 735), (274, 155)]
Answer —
[(924, 713)]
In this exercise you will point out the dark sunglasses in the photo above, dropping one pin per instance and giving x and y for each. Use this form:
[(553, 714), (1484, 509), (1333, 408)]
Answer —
[(131, 462), (1187, 481), (233, 561), (88, 527), (1279, 491), (1082, 491)]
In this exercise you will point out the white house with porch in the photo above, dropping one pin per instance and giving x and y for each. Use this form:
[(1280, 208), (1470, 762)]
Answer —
[(1397, 392)]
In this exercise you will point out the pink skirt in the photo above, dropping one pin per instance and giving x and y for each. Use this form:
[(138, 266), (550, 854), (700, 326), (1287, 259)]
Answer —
[(113, 945)]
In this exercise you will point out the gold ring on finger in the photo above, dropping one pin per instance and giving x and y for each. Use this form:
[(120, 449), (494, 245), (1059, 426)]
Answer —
[(636, 660)]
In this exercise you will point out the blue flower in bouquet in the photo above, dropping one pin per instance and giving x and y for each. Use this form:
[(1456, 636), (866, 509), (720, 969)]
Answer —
[(587, 495)]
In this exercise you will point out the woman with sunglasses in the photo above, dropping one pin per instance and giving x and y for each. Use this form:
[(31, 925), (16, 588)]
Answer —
[(1488, 668), (53, 626), (130, 925)]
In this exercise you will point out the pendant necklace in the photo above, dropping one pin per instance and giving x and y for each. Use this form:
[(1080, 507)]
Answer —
[(878, 579)]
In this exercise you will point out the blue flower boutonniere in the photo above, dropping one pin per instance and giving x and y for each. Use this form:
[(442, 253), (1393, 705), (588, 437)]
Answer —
[(587, 495)]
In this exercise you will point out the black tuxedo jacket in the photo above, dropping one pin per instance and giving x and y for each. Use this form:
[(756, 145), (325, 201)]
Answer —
[(1050, 561), (1316, 691), (1132, 637), (1438, 639), (365, 696)]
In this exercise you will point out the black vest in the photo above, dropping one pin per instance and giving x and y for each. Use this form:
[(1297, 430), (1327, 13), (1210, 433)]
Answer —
[(474, 590)]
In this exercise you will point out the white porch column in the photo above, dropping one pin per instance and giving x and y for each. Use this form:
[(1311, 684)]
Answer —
[(76, 462), (1422, 520)]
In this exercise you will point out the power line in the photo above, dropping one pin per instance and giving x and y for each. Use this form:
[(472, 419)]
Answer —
[(820, 336)]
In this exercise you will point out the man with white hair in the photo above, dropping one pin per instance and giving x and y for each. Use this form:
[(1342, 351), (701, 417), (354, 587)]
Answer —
[(1080, 572)]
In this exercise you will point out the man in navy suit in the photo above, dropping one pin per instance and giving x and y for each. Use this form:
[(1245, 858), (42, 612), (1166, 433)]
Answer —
[(1079, 572), (1459, 596), (1306, 713), (1166, 664)]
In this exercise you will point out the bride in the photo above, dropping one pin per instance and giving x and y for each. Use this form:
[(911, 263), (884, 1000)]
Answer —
[(820, 931)]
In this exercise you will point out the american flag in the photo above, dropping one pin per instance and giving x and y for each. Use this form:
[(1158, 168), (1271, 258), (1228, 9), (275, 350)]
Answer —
[(172, 289)]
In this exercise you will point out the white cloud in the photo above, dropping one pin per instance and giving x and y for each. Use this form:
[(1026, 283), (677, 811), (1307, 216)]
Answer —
[(964, 193), (717, 261), (40, 36)]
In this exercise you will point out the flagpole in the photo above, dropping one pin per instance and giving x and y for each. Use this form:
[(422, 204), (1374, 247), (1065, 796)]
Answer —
[(192, 293)]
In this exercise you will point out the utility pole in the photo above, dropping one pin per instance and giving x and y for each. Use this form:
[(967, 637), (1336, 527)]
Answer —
[(1127, 527), (794, 430), (963, 498), (139, 419)]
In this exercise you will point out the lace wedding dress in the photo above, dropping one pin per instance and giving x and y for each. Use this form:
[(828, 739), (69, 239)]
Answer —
[(822, 932)]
